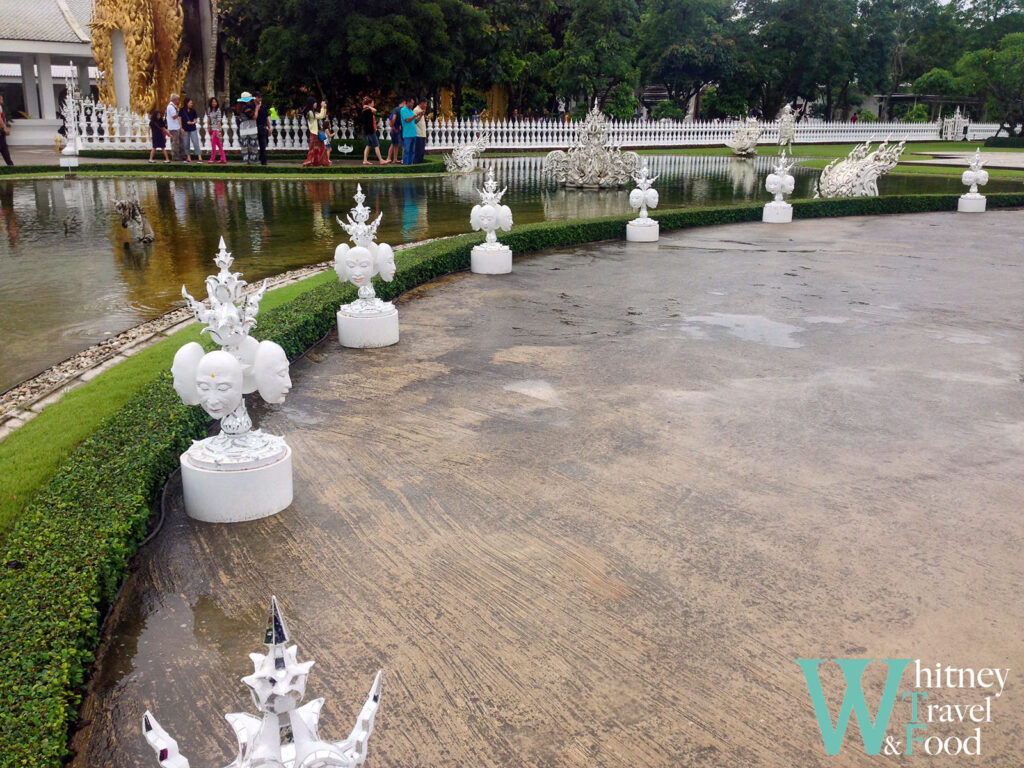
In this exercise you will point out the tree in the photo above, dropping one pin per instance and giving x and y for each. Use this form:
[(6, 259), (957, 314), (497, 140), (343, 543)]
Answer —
[(997, 74), (598, 51), (685, 45)]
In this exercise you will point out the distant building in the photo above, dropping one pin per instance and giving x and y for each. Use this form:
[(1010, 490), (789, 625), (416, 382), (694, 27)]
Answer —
[(39, 41)]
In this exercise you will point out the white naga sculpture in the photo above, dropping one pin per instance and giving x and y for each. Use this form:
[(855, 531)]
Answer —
[(643, 229), (975, 176), (241, 473), (857, 175), (491, 257), (368, 321), (591, 162), (277, 686), (780, 182), (463, 156), (787, 128), (744, 139)]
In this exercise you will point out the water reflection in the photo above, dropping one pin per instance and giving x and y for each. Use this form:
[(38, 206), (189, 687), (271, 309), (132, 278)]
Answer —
[(71, 276)]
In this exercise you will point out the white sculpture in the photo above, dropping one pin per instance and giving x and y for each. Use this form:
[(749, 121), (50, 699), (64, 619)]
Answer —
[(590, 162), (130, 211), (368, 321), (744, 139), (491, 257), (780, 182), (69, 111), (463, 156), (953, 126), (241, 473), (787, 128), (975, 176), (857, 175), (278, 686), (643, 229)]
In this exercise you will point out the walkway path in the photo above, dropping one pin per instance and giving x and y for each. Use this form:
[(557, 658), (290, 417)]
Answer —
[(589, 513)]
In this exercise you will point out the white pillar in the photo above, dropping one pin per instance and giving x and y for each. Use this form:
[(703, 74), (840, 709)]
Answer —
[(119, 54), (47, 102), (28, 83), (84, 85)]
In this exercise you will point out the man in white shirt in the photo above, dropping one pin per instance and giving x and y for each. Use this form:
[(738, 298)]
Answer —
[(174, 127)]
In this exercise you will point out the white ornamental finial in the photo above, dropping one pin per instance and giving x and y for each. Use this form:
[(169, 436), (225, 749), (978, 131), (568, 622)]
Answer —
[(644, 196), (227, 322), (491, 257), (278, 686), (361, 233), (975, 176)]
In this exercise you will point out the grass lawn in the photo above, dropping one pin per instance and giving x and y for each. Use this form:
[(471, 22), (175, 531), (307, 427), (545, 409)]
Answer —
[(911, 169), (29, 455)]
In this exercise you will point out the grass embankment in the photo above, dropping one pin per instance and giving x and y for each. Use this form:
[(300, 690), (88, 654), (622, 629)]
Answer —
[(68, 548)]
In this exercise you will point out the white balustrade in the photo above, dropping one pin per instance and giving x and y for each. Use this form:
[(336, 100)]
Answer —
[(101, 127)]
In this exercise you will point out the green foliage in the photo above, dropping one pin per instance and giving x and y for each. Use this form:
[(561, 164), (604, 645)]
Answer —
[(717, 103), (431, 164), (667, 109), (622, 102), (916, 114), (598, 50), (997, 74), (472, 100), (867, 116), (68, 552), (1005, 142), (937, 81)]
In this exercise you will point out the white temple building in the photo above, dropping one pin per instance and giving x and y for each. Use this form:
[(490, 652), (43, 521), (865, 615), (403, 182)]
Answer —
[(39, 41)]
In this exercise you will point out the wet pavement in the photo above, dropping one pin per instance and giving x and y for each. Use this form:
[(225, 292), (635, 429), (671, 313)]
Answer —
[(589, 513)]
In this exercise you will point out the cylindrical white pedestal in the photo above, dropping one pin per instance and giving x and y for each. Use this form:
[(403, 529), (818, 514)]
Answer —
[(368, 331), (234, 495), (642, 231), (777, 213), (971, 203), (490, 260)]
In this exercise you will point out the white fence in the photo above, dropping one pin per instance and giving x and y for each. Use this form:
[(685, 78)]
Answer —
[(100, 128)]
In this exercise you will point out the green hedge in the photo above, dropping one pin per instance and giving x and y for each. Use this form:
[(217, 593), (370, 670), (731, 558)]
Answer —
[(1007, 142), (69, 550), (429, 165)]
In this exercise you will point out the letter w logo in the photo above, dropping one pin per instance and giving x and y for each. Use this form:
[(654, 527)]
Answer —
[(872, 733)]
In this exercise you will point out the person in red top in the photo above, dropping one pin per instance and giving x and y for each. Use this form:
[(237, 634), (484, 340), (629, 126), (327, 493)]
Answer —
[(368, 122)]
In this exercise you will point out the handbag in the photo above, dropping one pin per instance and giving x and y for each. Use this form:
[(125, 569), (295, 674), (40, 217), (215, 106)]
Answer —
[(247, 130), (322, 136)]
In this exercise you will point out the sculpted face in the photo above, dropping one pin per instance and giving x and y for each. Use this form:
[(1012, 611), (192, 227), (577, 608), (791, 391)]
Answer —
[(271, 371), (219, 383), (247, 357), (186, 361), (505, 218), (484, 217), (359, 266), (386, 262)]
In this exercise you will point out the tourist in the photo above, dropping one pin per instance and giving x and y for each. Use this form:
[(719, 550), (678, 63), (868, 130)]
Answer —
[(515, 116), (262, 116), (5, 131), (190, 122), (174, 127), (368, 122), (273, 116), (395, 126), (421, 130), (215, 116), (408, 117), (313, 113), (159, 134), (247, 132)]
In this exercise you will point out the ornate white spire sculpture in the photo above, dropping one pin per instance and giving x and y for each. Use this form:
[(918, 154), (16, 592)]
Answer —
[(367, 321), (463, 156), (787, 128), (780, 182), (277, 686), (241, 473), (975, 176), (491, 257), (69, 111), (591, 161), (643, 229), (744, 139), (857, 174)]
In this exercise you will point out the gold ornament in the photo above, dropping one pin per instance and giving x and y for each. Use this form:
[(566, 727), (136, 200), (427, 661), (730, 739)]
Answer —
[(152, 38)]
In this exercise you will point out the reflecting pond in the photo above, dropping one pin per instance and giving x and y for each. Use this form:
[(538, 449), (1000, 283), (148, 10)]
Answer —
[(70, 277)]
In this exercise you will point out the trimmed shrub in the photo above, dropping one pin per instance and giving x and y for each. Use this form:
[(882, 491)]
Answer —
[(1007, 142), (67, 554)]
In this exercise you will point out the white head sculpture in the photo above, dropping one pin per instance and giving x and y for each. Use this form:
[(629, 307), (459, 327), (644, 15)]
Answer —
[(490, 215), (219, 383), (270, 371), (975, 176), (644, 196), (355, 265), (246, 354), (358, 265), (780, 181), (186, 361)]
